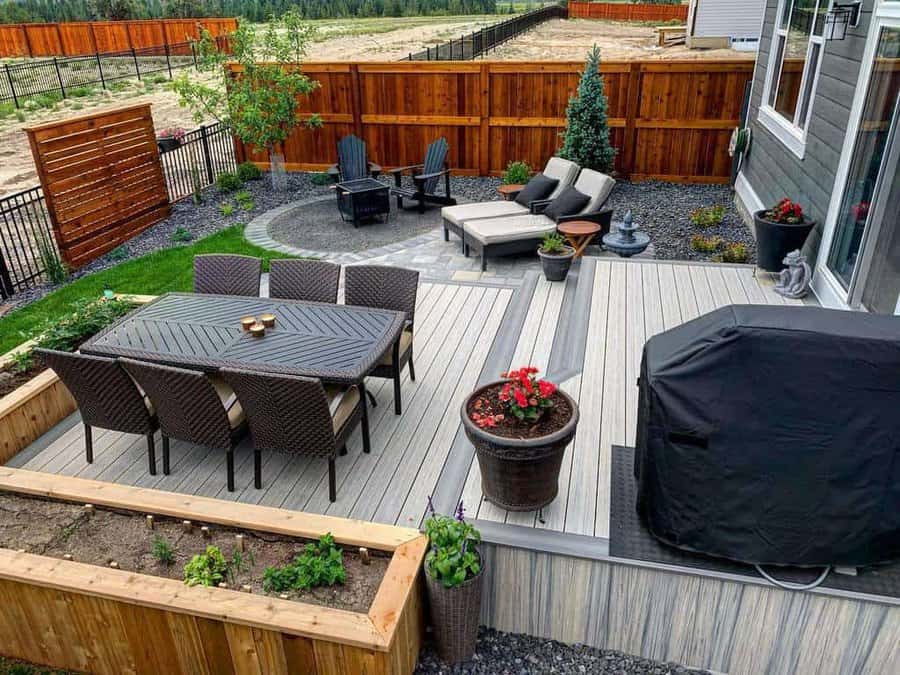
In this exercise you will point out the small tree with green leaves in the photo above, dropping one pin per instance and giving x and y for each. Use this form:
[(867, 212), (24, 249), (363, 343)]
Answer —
[(586, 138), (257, 100)]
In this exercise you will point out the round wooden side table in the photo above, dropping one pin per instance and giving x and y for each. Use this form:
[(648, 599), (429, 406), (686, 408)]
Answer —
[(508, 192), (580, 233)]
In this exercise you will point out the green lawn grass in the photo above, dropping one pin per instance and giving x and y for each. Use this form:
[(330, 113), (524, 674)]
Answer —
[(153, 274)]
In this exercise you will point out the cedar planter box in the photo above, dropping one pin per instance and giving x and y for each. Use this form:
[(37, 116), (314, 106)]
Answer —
[(73, 615)]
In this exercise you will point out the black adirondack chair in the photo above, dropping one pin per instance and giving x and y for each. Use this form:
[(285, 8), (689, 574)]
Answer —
[(352, 163), (426, 177)]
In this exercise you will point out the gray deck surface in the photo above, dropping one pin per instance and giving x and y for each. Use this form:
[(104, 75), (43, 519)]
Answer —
[(587, 334)]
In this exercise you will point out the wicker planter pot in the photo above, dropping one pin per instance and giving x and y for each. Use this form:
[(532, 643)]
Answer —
[(519, 474), (776, 240), (455, 615)]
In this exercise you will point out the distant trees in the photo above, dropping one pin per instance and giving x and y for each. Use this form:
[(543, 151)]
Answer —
[(23, 11)]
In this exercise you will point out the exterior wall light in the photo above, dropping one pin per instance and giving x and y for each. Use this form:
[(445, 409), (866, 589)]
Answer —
[(840, 17)]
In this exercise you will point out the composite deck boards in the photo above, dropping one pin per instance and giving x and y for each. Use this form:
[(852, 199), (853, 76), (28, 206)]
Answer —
[(457, 328)]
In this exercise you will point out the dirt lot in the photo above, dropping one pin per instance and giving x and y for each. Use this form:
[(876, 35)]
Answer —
[(564, 40), (360, 39)]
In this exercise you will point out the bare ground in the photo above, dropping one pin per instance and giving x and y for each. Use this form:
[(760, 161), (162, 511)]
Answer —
[(570, 40)]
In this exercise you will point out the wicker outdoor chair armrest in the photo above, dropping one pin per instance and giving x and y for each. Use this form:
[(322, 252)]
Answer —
[(601, 217)]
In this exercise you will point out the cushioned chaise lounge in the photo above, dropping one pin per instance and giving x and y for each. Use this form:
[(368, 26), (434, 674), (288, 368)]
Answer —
[(507, 235), (557, 168)]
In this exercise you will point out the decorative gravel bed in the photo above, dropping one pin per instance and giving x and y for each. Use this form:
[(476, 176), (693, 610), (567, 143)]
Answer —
[(510, 654), (663, 210)]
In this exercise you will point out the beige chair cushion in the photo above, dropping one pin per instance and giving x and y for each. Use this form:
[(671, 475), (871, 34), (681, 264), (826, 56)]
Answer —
[(562, 170), (233, 407), (465, 212), (514, 228), (595, 185), (405, 343), (341, 404)]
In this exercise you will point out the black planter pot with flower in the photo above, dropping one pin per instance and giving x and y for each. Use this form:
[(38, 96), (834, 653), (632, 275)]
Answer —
[(779, 230)]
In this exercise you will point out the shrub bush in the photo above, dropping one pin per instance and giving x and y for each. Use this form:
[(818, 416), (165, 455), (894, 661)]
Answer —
[(705, 244), (248, 171), (320, 178), (228, 182), (708, 216), (735, 253), (517, 173)]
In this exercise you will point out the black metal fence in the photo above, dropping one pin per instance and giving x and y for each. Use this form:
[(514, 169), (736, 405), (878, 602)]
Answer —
[(202, 155), (480, 42), (27, 247), (74, 76)]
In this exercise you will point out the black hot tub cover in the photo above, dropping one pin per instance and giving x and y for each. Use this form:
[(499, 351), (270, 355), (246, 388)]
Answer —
[(772, 435)]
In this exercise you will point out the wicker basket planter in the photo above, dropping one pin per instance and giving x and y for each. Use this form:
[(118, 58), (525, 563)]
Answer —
[(455, 615), (519, 474), (109, 621)]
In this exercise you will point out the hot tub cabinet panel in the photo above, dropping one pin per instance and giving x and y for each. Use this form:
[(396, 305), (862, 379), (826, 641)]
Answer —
[(72, 615)]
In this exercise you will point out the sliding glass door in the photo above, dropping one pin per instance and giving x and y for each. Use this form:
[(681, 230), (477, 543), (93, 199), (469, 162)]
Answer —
[(864, 255)]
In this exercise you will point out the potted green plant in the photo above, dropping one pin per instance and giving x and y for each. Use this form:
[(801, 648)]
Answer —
[(779, 230), (520, 427), (556, 256), (453, 579)]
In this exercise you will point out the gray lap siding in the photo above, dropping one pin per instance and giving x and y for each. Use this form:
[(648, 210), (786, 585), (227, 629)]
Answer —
[(774, 171)]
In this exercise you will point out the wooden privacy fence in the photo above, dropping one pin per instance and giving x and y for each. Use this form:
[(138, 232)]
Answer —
[(669, 120), (102, 179), (80, 38), (619, 11)]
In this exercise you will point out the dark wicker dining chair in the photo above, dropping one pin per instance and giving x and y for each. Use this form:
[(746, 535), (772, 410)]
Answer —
[(297, 415), (313, 280), (106, 396), (227, 274), (393, 288), (191, 407)]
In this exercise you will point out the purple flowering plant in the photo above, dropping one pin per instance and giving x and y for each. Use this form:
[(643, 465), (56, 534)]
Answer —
[(452, 556)]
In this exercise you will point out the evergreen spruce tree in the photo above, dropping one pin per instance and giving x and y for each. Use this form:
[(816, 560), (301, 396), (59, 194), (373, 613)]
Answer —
[(586, 138)]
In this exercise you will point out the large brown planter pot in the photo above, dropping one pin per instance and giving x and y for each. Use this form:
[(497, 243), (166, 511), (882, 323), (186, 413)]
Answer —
[(519, 474), (455, 615)]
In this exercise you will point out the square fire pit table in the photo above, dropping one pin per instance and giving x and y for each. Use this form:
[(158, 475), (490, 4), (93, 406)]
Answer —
[(362, 199)]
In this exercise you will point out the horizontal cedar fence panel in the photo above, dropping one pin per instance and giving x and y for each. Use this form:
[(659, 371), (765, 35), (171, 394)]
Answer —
[(619, 11), (670, 120), (78, 38), (102, 179)]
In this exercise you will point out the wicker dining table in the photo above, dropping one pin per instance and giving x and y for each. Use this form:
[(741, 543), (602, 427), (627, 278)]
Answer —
[(338, 344)]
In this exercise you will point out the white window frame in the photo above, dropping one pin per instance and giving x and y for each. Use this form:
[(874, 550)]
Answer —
[(791, 132)]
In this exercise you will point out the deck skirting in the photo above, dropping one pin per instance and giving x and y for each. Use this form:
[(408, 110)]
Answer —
[(712, 622)]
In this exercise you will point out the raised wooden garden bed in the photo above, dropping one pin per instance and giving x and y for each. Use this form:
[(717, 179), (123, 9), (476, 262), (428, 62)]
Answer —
[(86, 617)]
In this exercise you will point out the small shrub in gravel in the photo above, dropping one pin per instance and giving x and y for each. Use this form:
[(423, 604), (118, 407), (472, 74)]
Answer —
[(708, 216), (118, 254), (321, 178), (228, 182), (181, 234), (517, 173), (511, 654), (247, 171), (734, 253), (226, 209), (705, 244)]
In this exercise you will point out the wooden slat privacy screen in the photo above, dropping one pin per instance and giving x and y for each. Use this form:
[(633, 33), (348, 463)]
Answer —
[(102, 179), (77, 38), (670, 120), (621, 11)]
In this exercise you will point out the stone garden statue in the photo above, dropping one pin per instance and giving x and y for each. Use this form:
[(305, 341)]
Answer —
[(793, 281)]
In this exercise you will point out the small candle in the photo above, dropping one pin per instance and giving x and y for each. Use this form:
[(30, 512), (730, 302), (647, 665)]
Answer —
[(268, 320), (247, 322), (257, 330)]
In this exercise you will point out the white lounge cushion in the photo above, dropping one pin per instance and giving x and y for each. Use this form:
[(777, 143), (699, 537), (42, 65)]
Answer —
[(596, 185), (511, 228), (562, 170), (464, 212)]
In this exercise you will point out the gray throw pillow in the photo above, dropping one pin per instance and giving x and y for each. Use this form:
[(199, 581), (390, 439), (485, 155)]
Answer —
[(569, 202), (537, 188)]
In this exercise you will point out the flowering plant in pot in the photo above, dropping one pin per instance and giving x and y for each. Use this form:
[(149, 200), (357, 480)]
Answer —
[(170, 138), (520, 427), (454, 579), (779, 230), (556, 256)]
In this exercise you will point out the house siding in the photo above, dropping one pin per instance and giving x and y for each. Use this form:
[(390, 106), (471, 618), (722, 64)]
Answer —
[(772, 170), (729, 18)]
